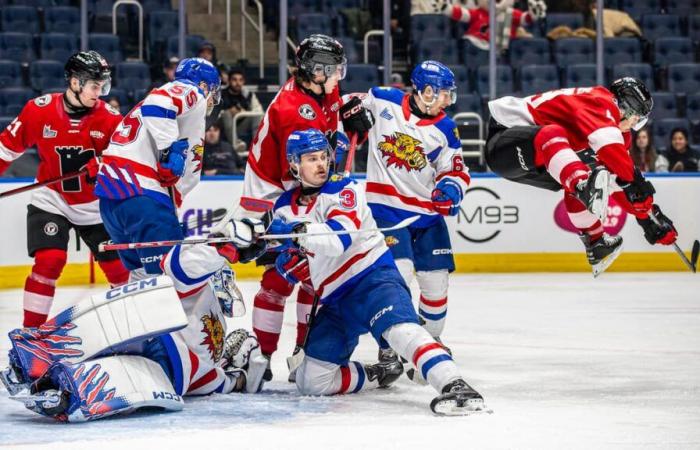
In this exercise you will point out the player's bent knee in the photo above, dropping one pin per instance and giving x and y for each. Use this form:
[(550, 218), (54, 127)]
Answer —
[(405, 267), (404, 338), (316, 377), (49, 262)]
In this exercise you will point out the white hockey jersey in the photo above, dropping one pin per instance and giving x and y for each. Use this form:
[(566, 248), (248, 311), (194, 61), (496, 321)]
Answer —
[(336, 261), (407, 157), (175, 111)]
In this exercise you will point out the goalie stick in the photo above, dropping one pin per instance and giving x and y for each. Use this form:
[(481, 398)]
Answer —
[(218, 240)]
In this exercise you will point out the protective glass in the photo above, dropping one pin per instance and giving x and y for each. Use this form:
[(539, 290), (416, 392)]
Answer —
[(329, 70), (451, 94), (106, 86)]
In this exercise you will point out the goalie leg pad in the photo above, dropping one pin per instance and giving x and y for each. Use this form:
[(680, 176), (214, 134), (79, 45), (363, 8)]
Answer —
[(105, 323)]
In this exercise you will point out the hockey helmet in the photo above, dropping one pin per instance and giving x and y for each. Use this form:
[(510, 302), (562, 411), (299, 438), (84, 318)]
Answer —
[(306, 141), (436, 75), (89, 66), (633, 98), (319, 54), (199, 70)]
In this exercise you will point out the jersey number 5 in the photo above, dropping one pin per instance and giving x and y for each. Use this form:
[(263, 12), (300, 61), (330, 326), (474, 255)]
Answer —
[(72, 159), (127, 131)]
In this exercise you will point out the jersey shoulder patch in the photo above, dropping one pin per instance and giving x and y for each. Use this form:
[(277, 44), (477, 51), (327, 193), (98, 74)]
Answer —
[(111, 109), (43, 100), (389, 94), (337, 183)]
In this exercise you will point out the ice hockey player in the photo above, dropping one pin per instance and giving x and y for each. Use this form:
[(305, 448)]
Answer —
[(70, 130), (415, 167), (309, 99), (538, 140), (358, 285), (153, 160), (145, 344)]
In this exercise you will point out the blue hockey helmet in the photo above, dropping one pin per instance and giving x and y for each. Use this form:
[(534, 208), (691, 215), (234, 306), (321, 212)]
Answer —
[(436, 75), (306, 141), (199, 70)]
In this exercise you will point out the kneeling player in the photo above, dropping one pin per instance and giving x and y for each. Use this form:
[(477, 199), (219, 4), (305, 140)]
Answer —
[(358, 285), (535, 140), (145, 344)]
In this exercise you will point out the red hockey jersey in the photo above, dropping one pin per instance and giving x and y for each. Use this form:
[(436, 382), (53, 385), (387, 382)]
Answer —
[(267, 173), (64, 145)]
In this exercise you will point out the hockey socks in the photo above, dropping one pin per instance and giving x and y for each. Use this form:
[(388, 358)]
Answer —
[(40, 286), (115, 272), (305, 300), (432, 306), (553, 151), (268, 310)]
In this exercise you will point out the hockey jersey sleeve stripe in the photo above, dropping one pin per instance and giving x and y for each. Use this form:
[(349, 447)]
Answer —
[(255, 204), (352, 215), (386, 189), (345, 239), (8, 155), (179, 272), (461, 175), (203, 380), (176, 101), (138, 168), (194, 364), (605, 136), (157, 111)]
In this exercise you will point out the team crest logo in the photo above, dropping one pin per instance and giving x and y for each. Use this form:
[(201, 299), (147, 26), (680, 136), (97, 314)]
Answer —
[(307, 112), (48, 132), (214, 335), (51, 229), (456, 132), (43, 100), (198, 152), (391, 241), (96, 134), (404, 151)]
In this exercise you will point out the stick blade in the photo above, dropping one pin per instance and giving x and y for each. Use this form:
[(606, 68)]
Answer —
[(694, 253)]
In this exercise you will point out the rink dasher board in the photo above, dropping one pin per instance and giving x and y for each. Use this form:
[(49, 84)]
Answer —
[(502, 227)]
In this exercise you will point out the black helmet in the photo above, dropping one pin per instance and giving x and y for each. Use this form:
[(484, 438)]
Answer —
[(86, 66), (633, 98), (319, 54)]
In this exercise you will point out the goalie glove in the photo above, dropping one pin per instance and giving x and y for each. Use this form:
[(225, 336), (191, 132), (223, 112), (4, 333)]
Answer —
[(664, 233), (244, 360), (639, 192), (537, 9)]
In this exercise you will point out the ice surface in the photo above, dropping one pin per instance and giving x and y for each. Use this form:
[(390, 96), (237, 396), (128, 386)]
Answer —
[(565, 361)]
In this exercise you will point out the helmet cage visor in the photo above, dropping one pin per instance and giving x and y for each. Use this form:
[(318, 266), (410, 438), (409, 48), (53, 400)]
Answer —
[(84, 78), (328, 70)]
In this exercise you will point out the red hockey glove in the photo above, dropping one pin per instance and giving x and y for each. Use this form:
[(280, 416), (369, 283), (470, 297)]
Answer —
[(293, 266), (664, 233), (639, 192), (93, 167)]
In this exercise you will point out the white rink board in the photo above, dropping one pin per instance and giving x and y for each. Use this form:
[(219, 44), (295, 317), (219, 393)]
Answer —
[(516, 218)]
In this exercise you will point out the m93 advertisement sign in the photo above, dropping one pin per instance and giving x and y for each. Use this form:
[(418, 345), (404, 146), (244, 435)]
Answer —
[(484, 214)]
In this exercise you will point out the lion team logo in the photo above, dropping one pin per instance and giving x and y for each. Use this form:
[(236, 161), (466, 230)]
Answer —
[(198, 152), (214, 335), (403, 151)]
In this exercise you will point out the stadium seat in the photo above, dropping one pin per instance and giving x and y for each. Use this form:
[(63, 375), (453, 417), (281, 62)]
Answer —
[(621, 50), (139, 94), (684, 78), (351, 53), (662, 128), (466, 103), (122, 96), (53, 90), (536, 78), (58, 46), (655, 26), (10, 74), (161, 25), (131, 76), (21, 19), (665, 106), (573, 51), (360, 78), (694, 28), (580, 75), (107, 45), (671, 50), (192, 43), (504, 80), (17, 47), (682, 8), (62, 19), (529, 51), (642, 71), (5, 121), (636, 8), (472, 56), (314, 23), (439, 49), (45, 74), (571, 20), (429, 26), (692, 107), (155, 5), (12, 100), (462, 81), (297, 7)]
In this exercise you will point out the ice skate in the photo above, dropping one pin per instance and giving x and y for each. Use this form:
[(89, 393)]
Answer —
[(12, 380), (459, 399), (387, 370), (602, 252), (292, 366), (594, 192)]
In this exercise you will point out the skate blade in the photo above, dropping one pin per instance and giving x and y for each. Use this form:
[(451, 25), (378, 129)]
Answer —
[(12, 385), (600, 205), (606, 262), (454, 407)]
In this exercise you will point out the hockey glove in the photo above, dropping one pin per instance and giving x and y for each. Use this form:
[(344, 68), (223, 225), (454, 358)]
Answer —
[(293, 265), (244, 245), (664, 233), (356, 119), (341, 148), (172, 163), (280, 226), (446, 197), (93, 167), (639, 192)]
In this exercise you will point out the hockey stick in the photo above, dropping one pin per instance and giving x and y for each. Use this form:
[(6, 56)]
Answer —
[(294, 361), (218, 240), (694, 253), (350, 156), (69, 176)]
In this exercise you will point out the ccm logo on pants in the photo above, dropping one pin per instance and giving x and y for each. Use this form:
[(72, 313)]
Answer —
[(442, 251)]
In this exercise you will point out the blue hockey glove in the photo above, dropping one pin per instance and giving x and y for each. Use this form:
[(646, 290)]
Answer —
[(280, 226), (172, 162), (293, 266), (446, 197)]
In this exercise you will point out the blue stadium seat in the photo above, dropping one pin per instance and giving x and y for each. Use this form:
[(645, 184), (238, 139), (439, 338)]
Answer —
[(665, 106), (351, 53), (671, 50), (573, 51), (131, 76), (655, 26), (107, 45), (694, 28), (439, 49), (429, 26), (461, 79), (636, 8), (504, 80), (58, 46), (529, 51), (622, 50), (536, 78), (472, 56), (139, 94), (53, 90), (579, 75), (192, 43), (692, 107), (34, 3), (571, 20), (12, 100), (466, 103), (62, 19), (122, 96), (5, 121), (682, 8), (17, 47), (45, 74), (297, 7), (22, 19), (155, 5), (360, 78), (661, 130), (161, 25), (684, 78), (10, 74), (314, 23), (642, 71)]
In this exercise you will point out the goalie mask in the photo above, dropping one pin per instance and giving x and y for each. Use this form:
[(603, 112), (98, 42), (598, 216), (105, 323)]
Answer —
[(633, 99), (223, 283)]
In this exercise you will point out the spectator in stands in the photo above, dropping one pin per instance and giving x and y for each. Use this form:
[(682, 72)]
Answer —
[(207, 50), (219, 156), (114, 102), (643, 152), (168, 75), (679, 157), (224, 69), (237, 98)]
